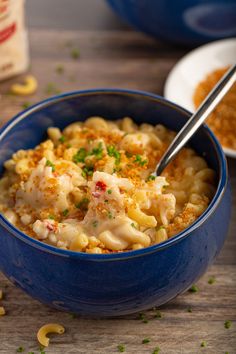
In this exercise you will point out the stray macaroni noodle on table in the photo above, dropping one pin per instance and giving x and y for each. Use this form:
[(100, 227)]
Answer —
[(46, 329), (223, 119), (90, 188)]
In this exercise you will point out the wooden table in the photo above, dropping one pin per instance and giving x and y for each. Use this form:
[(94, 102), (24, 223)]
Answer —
[(127, 60)]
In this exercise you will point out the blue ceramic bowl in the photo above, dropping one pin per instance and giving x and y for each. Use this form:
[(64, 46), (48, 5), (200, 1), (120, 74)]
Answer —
[(114, 284), (191, 22)]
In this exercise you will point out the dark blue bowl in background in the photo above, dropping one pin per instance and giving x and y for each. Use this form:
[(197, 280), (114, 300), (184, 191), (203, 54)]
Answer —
[(191, 22), (115, 284)]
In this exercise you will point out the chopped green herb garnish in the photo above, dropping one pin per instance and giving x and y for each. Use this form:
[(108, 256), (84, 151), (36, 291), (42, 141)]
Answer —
[(75, 53), (228, 324), (161, 227), (193, 289), (158, 314), (20, 349), (121, 348), (156, 350), (51, 217), (211, 280), (204, 344), (26, 105), (133, 225), (117, 169), (151, 178), (50, 164), (30, 352), (90, 140), (87, 171), (62, 139), (189, 309), (60, 69), (146, 340), (65, 212), (83, 204), (51, 89), (138, 159), (109, 214), (109, 191), (106, 201), (95, 223), (111, 150), (97, 152), (128, 154), (80, 155)]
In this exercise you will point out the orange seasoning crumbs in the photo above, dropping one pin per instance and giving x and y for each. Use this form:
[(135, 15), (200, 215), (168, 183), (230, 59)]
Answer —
[(223, 119)]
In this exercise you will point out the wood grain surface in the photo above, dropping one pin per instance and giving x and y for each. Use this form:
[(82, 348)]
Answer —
[(127, 60)]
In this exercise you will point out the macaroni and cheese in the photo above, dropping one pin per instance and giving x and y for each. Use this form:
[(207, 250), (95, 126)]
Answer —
[(90, 187)]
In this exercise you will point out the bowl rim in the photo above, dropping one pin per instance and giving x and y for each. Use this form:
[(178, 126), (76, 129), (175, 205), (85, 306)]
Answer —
[(222, 184)]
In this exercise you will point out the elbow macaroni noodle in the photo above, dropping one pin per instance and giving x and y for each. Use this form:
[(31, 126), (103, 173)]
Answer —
[(46, 329), (2, 311), (89, 188), (27, 88)]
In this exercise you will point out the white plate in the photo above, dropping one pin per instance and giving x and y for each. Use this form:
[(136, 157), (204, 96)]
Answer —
[(193, 67)]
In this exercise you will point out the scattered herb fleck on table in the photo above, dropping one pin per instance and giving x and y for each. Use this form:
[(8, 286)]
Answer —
[(158, 314), (75, 53), (203, 344), (26, 105), (193, 289), (228, 324), (60, 69), (52, 89), (121, 348), (211, 280)]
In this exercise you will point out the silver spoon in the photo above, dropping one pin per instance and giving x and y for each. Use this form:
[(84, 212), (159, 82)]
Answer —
[(192, 125)]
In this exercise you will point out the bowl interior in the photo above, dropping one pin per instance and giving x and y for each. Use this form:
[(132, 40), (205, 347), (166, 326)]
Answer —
[(29, 128)]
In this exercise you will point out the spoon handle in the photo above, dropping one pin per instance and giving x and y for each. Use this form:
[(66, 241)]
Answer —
[(207, 106)]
